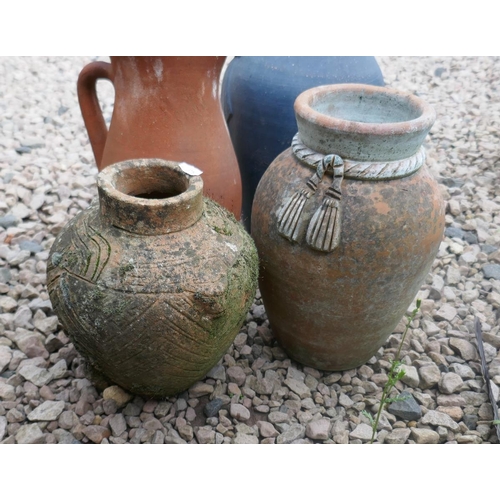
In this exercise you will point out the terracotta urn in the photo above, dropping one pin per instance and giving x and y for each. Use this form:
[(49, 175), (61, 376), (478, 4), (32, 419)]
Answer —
[(347, 223), (165, 107), (153, 281)]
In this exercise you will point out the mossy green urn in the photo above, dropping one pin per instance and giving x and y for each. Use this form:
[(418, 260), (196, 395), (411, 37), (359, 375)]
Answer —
[(153, 281)]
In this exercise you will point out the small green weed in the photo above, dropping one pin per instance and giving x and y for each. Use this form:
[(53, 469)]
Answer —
[(394, 376)]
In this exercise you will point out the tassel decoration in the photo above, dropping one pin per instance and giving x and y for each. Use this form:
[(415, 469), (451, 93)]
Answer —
[(324, 230), (290, 214)]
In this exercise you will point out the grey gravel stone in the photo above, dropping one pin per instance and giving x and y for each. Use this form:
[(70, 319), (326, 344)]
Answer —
[(362, 431), (15, 416), (407, 408), (36, 375), (430, 328), (22, 317), (264, 386), (450, 400), (491, 271), (266, 429), (236, 375), (22, 150), (463, 348), (455, 412), (245, 429), (332, 378), (186, 432), (470, 296), (18, 258), (3, 427), (7, 392), (411, 377), (46, 325), (424, 436), (473, 398), (485, 412), (30, 246), (239, 412), (318, 429), (132, 410), (117, 394), (49, 410), (162, 409), (7, 304), (454, 232), (470, 421), (398, 436), (246, 439), (453, 276), (117, 424), (139, 435), (294, 432), (278, 417), (5, 357), (5, 276), (469, 439), (450, 383), (218, 372), (429, 376), (424, 399), (30, 343), (205, 435), (158, 438), (495, 390), (96, 433), (345, 400), (298, 387), (30, 434), (212, 407), (294, 373), (465, 372), (9, 220), (445, 313), (438, 418), (200, 389), (58, 371), (68, 419)]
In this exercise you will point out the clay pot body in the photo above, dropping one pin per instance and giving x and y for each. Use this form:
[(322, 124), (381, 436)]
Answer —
[(165, 107), (153, 282), (346, 241), (258, 95)]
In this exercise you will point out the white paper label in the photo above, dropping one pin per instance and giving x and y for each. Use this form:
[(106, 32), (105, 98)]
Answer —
[(189, 169)]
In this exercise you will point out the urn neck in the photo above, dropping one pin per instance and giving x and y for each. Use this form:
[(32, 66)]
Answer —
[(149, 196), (362, 122)]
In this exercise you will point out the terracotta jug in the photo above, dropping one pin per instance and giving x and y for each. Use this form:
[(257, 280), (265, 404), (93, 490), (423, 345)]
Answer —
[(165, 107), (152, 282), (347, 223)]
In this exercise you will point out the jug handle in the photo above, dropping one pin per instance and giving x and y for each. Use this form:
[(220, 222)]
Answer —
[(90, 107)]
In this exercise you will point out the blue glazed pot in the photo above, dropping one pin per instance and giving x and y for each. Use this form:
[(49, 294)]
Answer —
[(258, 94)]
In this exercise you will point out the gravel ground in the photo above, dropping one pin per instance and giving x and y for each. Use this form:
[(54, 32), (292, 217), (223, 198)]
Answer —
[(256, 394)]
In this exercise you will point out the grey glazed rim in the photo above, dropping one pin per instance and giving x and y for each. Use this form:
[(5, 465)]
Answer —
[(359, 140)]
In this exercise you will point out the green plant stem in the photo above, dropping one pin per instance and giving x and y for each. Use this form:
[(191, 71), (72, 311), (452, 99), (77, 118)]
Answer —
[(377, 418), (392, 377)]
